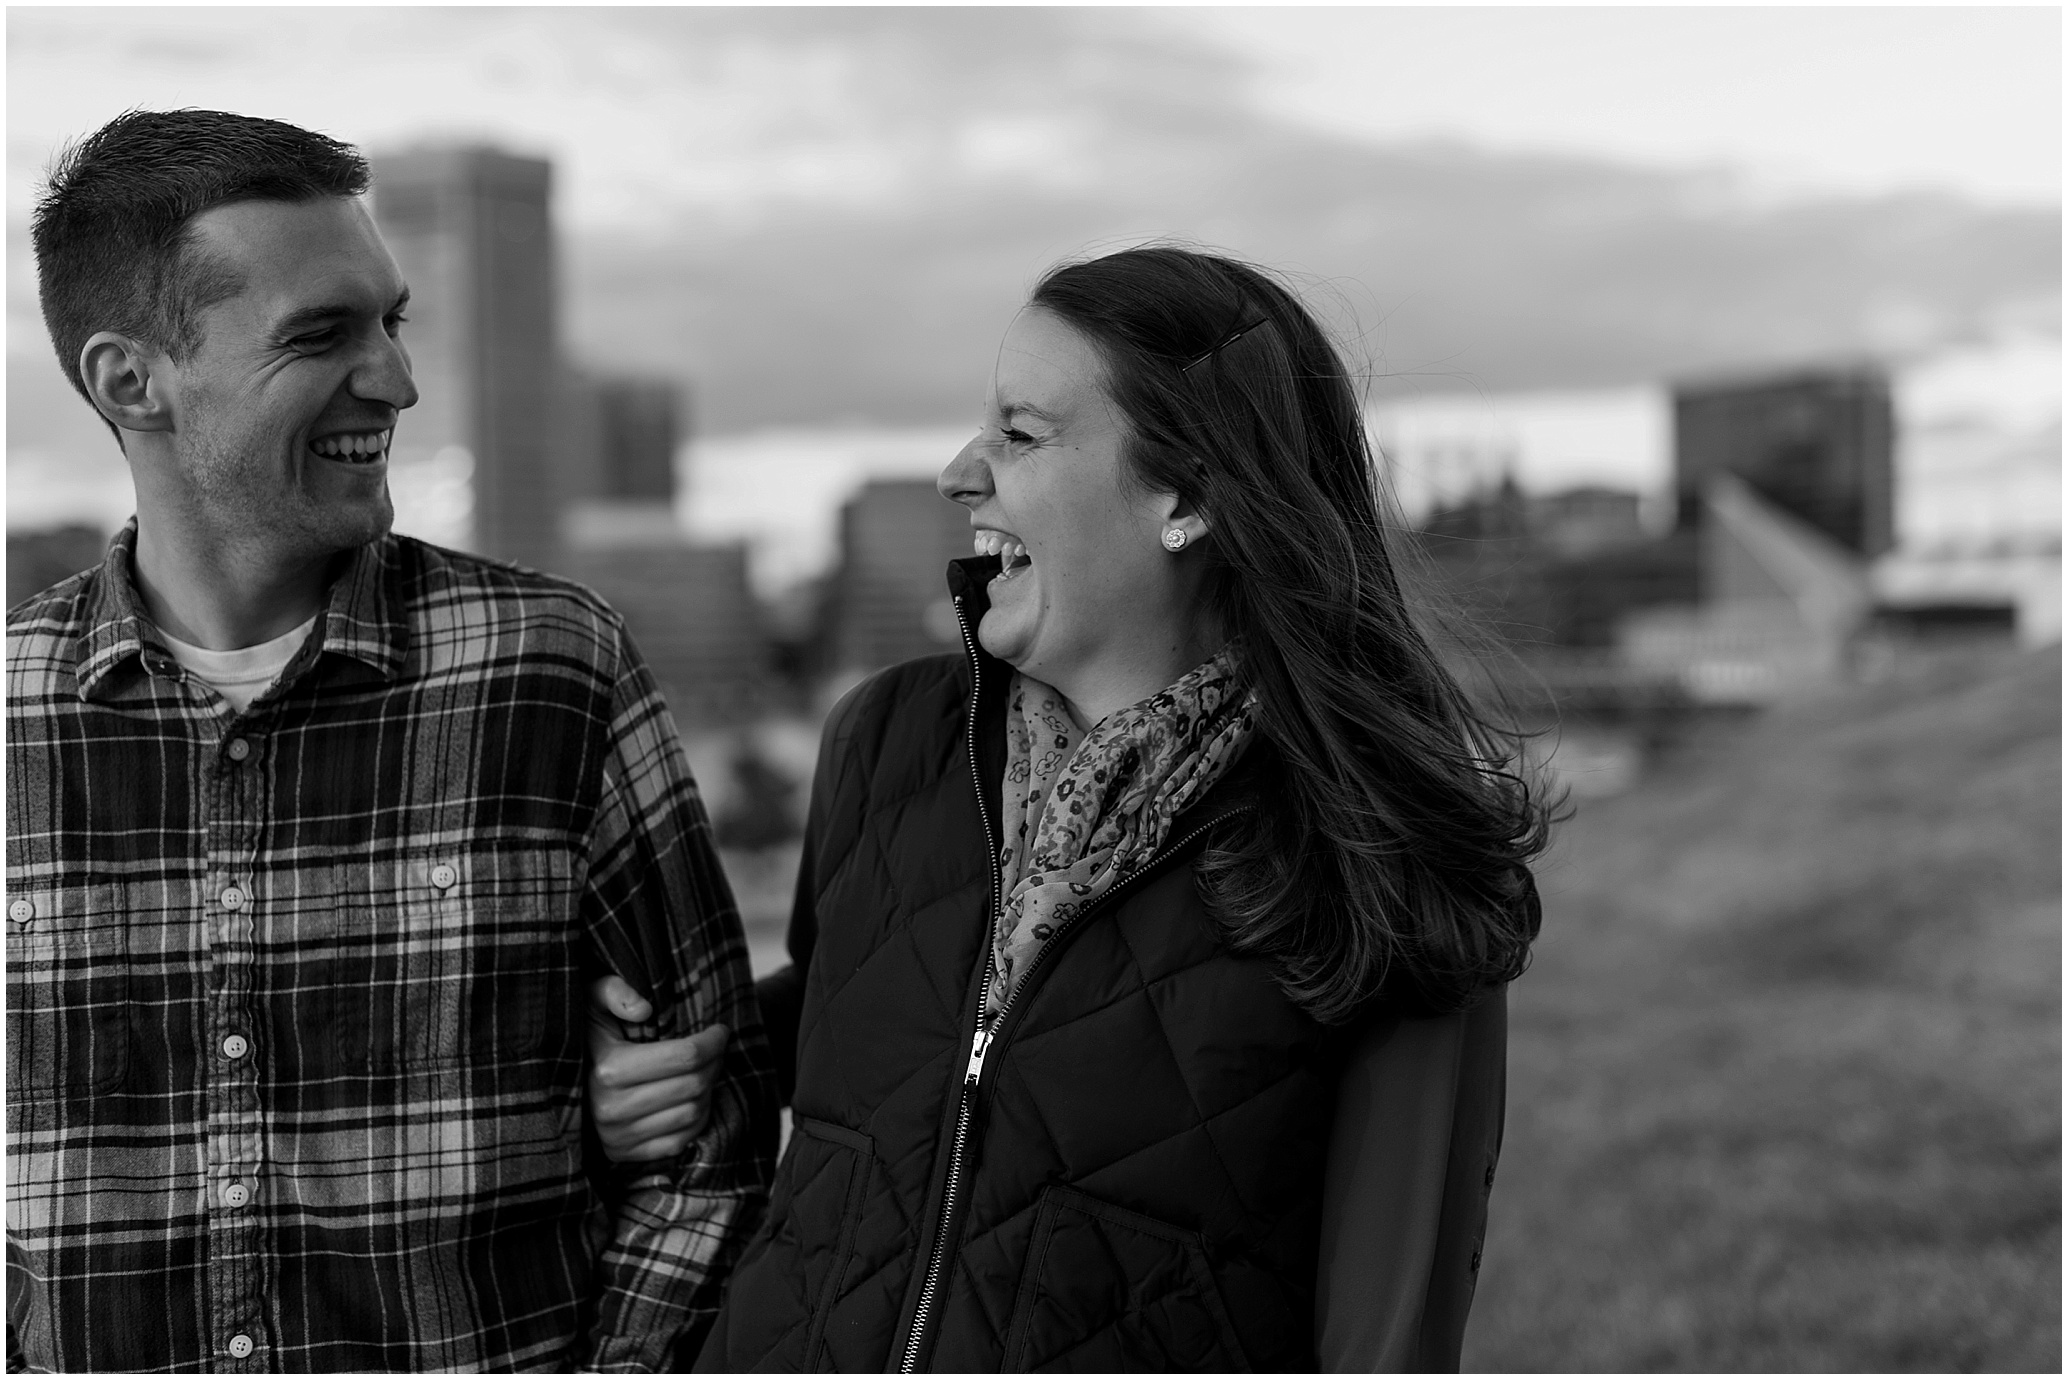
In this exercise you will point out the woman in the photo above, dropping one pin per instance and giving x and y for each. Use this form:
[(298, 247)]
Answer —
[(1148, 954)]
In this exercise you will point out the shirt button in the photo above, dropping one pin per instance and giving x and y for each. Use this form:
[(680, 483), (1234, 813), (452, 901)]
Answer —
[(442, 876), (240, 748), (21, 910), (240, 1346), (232, 898), (236, 1195), (235, 1046)]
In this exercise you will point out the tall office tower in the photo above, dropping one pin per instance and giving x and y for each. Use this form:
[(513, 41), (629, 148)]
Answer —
[(888, 601), (1817, 445), (471, 231), (639, 420), (693, 617), (687, 604)]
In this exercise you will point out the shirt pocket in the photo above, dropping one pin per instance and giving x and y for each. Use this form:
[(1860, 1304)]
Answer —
[(68, 1029), (454, 959)]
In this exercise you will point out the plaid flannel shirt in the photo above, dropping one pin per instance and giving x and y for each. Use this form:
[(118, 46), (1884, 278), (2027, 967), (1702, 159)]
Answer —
[(295, 998)]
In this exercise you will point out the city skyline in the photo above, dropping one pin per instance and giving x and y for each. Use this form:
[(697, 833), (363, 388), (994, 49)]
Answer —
[(862, 335)]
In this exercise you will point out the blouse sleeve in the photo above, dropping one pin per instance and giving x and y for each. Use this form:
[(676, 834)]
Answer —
[(1410, 1165)]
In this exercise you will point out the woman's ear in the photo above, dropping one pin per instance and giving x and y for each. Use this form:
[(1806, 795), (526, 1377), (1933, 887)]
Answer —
[(1181, 515), (123, 380)]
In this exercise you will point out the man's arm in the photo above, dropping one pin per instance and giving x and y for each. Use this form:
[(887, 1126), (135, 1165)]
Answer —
[(657, 900), (647, 1098)]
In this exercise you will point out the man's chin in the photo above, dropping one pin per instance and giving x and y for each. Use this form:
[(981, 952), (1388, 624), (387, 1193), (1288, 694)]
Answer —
[(348, 527)]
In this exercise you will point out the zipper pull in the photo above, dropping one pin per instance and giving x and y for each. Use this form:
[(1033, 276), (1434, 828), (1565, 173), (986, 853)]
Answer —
[(977, 1049)]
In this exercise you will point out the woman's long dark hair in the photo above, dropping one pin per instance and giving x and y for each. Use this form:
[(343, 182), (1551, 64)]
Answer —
[(1398, 858)]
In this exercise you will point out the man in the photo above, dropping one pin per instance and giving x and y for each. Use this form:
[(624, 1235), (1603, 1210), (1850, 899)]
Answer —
[(316, 835)]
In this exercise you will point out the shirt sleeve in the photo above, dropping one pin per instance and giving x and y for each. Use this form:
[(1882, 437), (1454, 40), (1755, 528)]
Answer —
[(657, 899), (1403, 1213)]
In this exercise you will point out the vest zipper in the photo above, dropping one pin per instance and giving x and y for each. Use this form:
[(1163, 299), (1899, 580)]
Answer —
[(973, 1076), (981, 1040)]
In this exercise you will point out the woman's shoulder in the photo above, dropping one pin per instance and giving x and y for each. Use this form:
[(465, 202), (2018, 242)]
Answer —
[(926, 686), (910, 707)]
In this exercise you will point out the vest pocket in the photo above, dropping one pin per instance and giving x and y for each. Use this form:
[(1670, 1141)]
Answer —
[(1112, 1290), (67, 992), (824, 1180), (840, 1185)]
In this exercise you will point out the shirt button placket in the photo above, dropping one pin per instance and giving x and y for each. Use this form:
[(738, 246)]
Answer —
[(233, 1166)]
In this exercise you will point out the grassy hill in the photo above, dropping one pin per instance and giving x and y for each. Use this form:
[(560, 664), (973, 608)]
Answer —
[(1785, 1079)]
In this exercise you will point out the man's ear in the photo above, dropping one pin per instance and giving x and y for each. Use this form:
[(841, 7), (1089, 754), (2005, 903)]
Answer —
[(127, 381)]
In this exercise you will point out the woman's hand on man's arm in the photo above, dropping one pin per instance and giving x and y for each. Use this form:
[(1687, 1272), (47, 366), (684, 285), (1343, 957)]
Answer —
[(648, 1098)]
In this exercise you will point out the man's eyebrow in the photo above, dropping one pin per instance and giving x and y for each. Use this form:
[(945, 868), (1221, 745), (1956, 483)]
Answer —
[(303, 317)]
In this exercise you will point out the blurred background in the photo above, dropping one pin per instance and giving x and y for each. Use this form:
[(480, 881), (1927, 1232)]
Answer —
[(1714, 358)]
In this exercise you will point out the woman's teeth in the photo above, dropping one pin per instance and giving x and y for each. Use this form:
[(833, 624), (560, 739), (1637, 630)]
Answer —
[(357, 448), (1011, 554)]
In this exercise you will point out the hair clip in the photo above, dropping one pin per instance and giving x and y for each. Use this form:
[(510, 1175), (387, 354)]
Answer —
[(1223, 343)]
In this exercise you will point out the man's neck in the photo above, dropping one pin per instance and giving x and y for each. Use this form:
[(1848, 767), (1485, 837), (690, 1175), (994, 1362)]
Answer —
[(222, 597)]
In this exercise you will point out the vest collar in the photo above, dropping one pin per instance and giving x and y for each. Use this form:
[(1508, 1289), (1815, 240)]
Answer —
[(969, 579)]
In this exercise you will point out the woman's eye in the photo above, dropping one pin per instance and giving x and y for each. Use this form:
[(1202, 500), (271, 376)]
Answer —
[(1017, 437), (394, 323)]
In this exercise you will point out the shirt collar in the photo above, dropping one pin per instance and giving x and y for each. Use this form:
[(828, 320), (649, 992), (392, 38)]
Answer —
[(363, 616), (367, 617), (116, 624)]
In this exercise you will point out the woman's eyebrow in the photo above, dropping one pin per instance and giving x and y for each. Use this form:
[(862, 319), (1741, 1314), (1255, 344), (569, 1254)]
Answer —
[(1011, 410)]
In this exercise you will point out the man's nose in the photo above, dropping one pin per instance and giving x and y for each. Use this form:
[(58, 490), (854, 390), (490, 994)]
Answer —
[(967, 479), (384, 374)]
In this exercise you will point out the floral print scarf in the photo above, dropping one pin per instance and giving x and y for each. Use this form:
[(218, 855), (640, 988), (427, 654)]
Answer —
[(1083, 810)]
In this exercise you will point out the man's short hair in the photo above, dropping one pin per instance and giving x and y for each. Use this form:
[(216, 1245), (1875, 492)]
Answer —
[(114, 228)]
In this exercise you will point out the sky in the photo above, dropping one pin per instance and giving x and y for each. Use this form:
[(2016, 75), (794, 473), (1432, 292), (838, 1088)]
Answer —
[(651, 110), (1860, 99)]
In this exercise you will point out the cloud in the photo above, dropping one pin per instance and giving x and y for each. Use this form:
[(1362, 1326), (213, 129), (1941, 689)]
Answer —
[(816, 214)]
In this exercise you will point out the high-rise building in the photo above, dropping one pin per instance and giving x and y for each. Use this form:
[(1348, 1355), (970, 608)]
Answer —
[(689, 609), (687, 604), (1818, 445), (888, 601), (619, 438), (638, 421), (472, 233)]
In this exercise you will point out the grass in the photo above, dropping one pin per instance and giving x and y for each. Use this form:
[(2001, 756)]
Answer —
[(1785, 1078)]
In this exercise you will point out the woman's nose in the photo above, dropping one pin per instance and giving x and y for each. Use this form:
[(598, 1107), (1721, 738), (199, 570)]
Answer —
[(967, 479)]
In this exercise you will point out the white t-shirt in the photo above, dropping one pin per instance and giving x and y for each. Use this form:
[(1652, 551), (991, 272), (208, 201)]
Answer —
[(243, 675)]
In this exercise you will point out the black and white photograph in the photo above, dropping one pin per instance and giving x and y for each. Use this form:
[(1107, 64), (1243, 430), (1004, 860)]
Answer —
[(1069, 687)]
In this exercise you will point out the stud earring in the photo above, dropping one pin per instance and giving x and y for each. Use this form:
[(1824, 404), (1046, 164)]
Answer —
[(1174, 539)]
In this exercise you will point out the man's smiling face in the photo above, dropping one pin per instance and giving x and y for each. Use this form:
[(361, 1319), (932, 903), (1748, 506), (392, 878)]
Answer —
[(282, 416)]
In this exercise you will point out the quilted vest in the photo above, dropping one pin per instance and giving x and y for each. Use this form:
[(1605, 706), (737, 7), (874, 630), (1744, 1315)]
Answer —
[(1127, 1178)]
